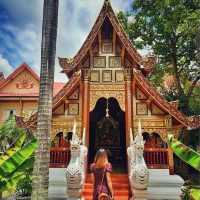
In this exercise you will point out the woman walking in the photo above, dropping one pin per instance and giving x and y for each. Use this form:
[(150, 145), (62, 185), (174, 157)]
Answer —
[(101, 170)]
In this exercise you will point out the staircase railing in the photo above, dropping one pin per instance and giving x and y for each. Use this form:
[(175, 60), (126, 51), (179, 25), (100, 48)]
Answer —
[(59, 157), (137, 169), (156, 157), (76, 170)]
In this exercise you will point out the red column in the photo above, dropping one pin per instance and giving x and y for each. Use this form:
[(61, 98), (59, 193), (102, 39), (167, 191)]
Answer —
[(128, 103), (86, 103)]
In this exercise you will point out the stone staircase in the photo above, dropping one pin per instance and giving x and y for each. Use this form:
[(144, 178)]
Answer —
[(120, 186), (162, 186)]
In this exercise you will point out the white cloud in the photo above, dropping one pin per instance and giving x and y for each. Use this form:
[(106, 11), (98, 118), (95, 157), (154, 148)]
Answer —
[(5, 66), (76, 19)]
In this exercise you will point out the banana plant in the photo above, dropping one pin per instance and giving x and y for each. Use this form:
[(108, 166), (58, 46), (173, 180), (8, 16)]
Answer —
[(15, 161), (185, 153), (195, 194), (192, 158)]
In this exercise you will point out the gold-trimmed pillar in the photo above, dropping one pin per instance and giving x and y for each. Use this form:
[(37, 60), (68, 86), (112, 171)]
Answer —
[(128, 104), (168, 123), (86, 103)]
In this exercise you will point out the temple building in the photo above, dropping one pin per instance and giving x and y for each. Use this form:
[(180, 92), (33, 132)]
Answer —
[(107, 94), (19, 92)]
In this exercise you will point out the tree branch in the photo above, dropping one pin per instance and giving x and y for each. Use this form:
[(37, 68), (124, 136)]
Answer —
[(190, 91)]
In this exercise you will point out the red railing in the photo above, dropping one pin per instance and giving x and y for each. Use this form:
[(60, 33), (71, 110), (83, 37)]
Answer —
[(156, 158), (59, 157)]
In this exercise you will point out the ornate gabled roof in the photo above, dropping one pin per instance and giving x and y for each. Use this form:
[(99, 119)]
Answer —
[(143, 83), (194, 122), (69, 65), (20, 69), (33, 93), (65, 91)]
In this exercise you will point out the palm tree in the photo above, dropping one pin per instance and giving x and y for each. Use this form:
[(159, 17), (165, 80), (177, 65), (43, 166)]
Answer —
[(48, 51)]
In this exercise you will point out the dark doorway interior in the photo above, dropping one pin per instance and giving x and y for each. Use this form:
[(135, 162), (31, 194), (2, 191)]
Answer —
[(107, 130)]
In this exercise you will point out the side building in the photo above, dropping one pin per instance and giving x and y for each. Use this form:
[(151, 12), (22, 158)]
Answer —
[(19, 93)]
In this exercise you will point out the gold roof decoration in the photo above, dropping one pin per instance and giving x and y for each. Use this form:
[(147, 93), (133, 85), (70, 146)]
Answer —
[(148, 63)]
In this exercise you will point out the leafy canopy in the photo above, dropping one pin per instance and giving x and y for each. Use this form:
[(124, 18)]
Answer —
[(168, 28)]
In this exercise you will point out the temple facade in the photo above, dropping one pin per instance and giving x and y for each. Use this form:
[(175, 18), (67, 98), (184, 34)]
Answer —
[(19, 92), (108, 93)]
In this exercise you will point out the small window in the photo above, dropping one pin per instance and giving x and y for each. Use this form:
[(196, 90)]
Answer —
[(9, 113)]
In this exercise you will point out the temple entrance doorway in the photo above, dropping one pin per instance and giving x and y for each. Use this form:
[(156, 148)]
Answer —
[(107, 131)]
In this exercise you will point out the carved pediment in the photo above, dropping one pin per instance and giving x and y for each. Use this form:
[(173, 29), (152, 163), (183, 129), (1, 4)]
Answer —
[(74, 95), (140, 95), (155, 110), (24, 83)]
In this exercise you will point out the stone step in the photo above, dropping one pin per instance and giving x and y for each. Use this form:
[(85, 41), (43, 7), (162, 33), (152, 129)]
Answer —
[(162, 193), (162, 186), (116, 186), (120, 186), (161, 178)]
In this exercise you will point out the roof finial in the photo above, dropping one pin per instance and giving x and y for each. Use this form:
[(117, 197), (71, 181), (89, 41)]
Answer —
[(107, 2)]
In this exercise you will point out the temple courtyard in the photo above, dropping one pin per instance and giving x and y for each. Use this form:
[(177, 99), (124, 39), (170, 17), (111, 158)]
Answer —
[(162, 186)]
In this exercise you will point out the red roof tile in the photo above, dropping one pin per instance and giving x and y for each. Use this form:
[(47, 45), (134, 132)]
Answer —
[(57, 87)]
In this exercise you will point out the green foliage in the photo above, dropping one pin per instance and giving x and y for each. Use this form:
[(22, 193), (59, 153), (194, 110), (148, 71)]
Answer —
[(17, 162), (24, 186), (194, 103), (185, 153), (170, 29), (195, 194), (8, 133)]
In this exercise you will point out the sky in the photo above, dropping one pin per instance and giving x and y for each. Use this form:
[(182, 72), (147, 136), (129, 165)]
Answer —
[(21, 25)]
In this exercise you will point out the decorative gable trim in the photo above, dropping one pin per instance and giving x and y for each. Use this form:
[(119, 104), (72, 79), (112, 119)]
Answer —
[(19, 70), (70, 65), (159, 100)]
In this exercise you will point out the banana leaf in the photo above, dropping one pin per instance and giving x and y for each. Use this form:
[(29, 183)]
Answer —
[(11, 164), (185, 153), (13, 149), (195, 194), (10, 182)]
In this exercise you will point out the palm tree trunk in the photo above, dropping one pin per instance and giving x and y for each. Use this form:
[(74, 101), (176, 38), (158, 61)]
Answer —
[(48, 51)]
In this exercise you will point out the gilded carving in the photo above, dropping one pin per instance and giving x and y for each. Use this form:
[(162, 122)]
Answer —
[(155, 110), (99, 62), (74, 95), (162, 132), (65, 124), (107, 91), (148, 122), (142, 81), (73, 109), (141, 109), (114, 61), (119, 75), (95, 76), (107, 47), (107, 76), (140, 95), (107, 87), (25, 82)]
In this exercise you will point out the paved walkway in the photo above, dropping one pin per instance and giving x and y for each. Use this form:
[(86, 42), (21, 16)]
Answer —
[(162, 186), (57, 184)]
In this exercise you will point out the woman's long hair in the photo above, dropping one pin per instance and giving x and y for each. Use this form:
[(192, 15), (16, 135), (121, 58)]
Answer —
[(101, 158)]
